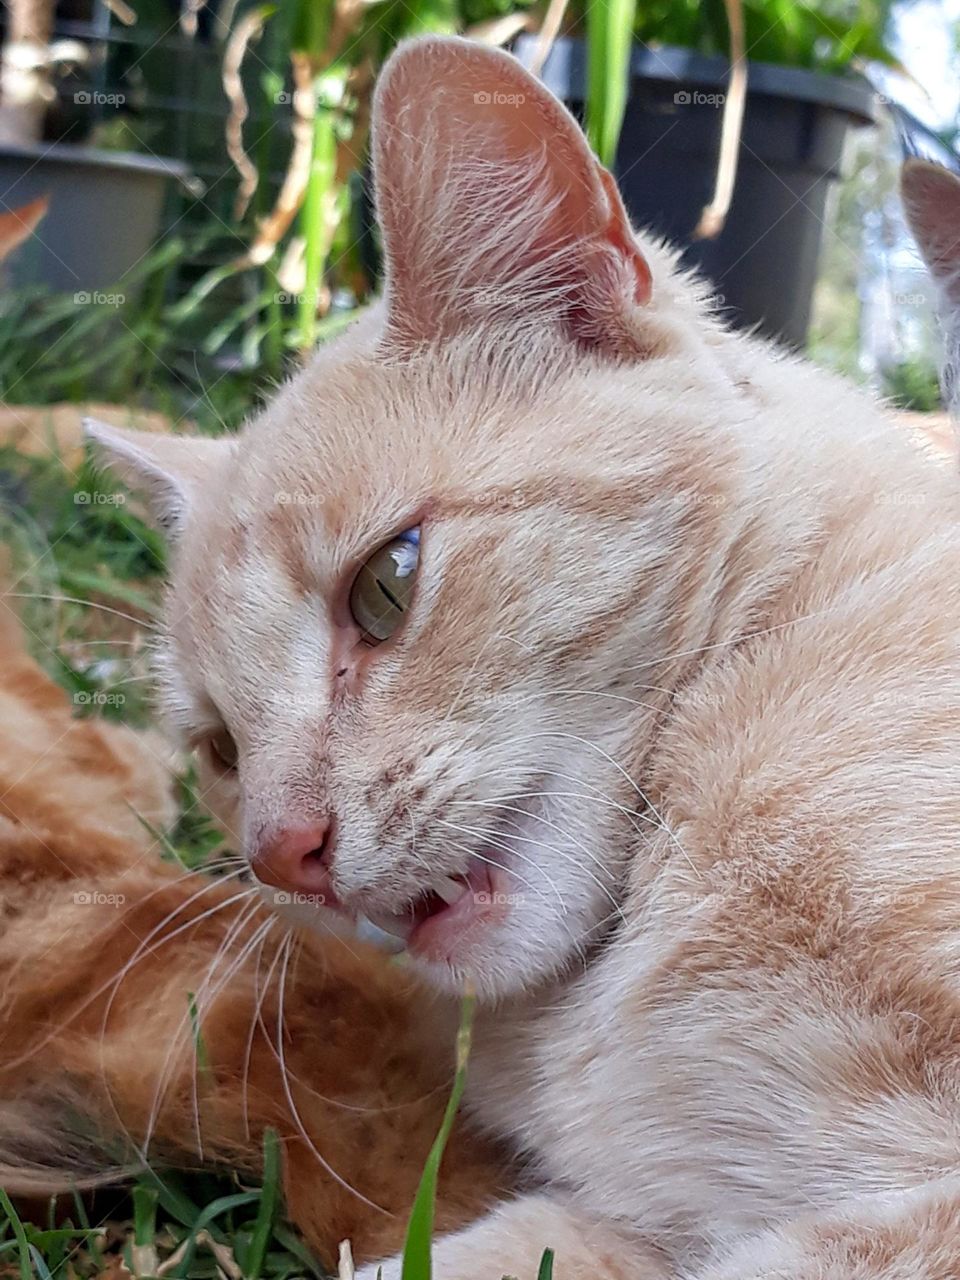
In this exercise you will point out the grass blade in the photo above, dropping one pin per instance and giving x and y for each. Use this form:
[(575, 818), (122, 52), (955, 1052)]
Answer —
[(416, 1249), (23, 1247), (609, 43), (267, 1209), (545, 1270)]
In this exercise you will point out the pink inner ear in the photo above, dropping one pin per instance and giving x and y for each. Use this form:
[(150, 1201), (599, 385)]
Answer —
[(931, 197), (492, 205), (620, 236)]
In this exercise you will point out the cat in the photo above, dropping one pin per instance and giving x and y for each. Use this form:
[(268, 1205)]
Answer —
[(931, 201), (102, 944), (611, 658)]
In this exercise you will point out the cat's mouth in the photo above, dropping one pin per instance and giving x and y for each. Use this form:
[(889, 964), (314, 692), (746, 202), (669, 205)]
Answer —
[(450, 909)]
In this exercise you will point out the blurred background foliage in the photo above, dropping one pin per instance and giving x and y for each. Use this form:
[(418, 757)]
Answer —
[(267, 104), (273, 248)]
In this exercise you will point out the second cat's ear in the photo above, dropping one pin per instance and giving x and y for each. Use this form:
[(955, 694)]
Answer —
[(492, 205), (170, 472), (931, 199)]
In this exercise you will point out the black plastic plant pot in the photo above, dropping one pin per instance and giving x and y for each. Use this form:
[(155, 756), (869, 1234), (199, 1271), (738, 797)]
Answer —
[(103, 215), (763, 265)]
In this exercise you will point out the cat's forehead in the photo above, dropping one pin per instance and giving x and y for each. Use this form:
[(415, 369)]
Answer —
[(355, 447)]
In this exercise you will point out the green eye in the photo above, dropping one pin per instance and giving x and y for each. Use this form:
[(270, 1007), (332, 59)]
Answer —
[(382, 589)]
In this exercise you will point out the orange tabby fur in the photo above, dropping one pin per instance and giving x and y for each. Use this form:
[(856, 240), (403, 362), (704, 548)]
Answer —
[(83, 892)]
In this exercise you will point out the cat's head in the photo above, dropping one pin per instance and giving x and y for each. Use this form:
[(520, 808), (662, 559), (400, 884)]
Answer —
[(423, 609), (931, 199)]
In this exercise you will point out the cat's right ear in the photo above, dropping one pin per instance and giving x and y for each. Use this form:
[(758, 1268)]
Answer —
[(170, 472), (493, 207), (931, 200)]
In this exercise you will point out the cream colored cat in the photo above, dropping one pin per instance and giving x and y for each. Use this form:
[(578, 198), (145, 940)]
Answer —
[(613, 658)]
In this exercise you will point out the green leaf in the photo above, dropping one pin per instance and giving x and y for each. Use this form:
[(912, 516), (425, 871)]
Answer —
[(204, 1220)]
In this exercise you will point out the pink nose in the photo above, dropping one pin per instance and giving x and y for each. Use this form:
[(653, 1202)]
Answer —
[(297, 858)]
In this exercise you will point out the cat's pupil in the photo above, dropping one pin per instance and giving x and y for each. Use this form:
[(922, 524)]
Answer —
[(383, 588), (224, 749)]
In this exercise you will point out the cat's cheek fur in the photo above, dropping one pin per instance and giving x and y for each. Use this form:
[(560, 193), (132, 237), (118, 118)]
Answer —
[(536, 928)]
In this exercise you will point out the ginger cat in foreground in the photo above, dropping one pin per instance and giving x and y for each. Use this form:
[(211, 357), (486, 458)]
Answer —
[(100, 946), (614, 660)]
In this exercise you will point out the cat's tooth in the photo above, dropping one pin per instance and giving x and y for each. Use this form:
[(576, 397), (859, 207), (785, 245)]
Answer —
[(447, 888), (367, 931), (399, 926)]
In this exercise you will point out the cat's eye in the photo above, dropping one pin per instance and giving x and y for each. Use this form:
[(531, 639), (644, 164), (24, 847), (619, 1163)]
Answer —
[(383, 588), (223, 749)]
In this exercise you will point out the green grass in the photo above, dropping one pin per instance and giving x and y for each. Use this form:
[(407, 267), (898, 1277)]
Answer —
[(188, 1226)]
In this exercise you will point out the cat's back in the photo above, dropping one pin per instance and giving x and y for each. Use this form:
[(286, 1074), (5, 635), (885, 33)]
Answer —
[(782, 995)]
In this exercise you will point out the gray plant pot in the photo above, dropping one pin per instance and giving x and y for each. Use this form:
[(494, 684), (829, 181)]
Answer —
[(103, 217), (763, 264)]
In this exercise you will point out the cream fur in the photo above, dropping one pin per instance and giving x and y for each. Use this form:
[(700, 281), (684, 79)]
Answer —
[(695, 602)]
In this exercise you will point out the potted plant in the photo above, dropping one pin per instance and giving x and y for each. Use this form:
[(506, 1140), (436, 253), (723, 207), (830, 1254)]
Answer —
[(104, 206), (668, 81)]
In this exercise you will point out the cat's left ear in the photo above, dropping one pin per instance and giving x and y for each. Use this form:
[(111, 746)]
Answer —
[(493, 207), (931, 199), (170, 472)]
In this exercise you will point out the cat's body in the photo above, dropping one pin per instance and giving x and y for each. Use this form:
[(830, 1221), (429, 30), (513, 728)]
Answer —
[(674, 707)]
